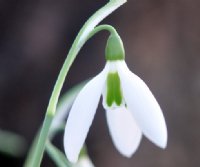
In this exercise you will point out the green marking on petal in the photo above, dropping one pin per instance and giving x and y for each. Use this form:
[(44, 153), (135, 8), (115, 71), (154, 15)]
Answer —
[(114, 93)]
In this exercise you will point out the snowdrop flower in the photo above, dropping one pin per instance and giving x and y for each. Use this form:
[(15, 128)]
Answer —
[(130, 107)]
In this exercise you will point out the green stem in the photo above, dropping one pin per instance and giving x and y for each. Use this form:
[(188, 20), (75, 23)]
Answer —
[(99, 28), (56, 155), (37, 152)]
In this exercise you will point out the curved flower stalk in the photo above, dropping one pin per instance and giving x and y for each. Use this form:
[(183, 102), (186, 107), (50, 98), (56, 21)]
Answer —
[(131, 108)]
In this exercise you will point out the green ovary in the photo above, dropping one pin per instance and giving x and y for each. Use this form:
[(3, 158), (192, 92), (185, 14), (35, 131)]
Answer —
[(114, 94)]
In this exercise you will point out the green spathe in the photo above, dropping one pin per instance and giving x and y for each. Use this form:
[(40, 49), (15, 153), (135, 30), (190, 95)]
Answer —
[(114, 48), (114, 94)]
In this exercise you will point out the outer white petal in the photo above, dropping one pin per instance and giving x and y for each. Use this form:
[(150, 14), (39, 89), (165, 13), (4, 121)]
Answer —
[(81, 116), (143, 105), (124, 131)]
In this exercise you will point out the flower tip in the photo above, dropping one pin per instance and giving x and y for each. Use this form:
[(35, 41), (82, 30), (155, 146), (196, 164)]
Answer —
[(71, 153), (164, 144), (128, 154), (163, 141), (71, 158)]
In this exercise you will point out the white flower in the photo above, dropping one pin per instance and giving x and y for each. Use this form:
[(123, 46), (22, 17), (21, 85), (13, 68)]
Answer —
[(131, 110)]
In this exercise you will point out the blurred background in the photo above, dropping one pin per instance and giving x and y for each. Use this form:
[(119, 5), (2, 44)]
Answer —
[(162, 42)]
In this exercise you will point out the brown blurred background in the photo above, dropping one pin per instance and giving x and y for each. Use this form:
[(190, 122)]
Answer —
[(162, 42)]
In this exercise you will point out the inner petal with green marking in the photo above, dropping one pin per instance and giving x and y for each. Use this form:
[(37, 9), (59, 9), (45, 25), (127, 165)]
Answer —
[(114, 93)]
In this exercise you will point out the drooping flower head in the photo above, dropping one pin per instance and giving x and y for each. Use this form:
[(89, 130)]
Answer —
[(131, 109)]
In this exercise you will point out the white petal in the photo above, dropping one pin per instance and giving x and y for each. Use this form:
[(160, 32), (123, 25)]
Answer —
[(143, 105), (124, 131), (81, 116)]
